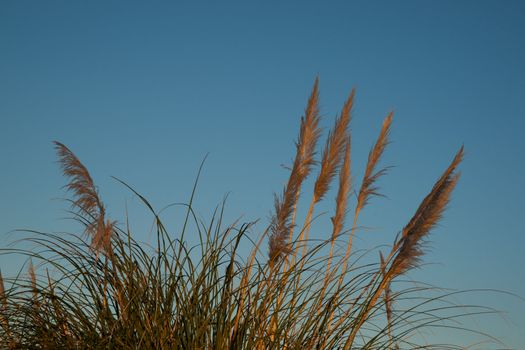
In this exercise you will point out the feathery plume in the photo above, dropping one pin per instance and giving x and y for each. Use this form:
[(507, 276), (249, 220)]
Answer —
[(281, 227), (81, 184), (87, 200), (425, 219), (408, 248), (334, 150), (32, 277), (333, 154), (309, 133), (368, 188), (345, 183)]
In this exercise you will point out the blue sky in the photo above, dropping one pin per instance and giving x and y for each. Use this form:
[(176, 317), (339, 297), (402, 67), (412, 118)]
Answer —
[(143, 90)]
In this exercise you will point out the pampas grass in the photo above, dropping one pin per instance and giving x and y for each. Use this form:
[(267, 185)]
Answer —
[(86, 199), (332, 156), (285, 206), (103, 289)]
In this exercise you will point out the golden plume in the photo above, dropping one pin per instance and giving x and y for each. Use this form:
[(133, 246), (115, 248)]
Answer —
[(87, 200), (334, 150), (345, 184), (368, 187), (407, 250), (333, 154), (282, 223), (426, 217)]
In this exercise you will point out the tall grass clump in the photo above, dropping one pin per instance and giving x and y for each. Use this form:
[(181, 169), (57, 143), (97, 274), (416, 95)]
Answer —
[(100, 288)]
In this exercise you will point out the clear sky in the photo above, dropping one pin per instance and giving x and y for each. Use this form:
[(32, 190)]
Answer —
[(142, 90)]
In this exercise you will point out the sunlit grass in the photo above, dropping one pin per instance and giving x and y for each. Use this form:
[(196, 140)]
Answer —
[(103, 289)]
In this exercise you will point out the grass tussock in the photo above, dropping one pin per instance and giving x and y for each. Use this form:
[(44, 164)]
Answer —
[(103, 289)]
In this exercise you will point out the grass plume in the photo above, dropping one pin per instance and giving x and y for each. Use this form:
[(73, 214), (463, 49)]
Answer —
[(341, 202), (334, 151), (407, 251), (333, 155), (285, 206), (368, 185), (87, 200), (428, 214)]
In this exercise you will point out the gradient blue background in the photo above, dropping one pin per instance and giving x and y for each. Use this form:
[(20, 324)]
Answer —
[(143, 90)]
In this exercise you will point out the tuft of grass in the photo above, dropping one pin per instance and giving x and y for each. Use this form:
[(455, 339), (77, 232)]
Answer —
[(103, 289)]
